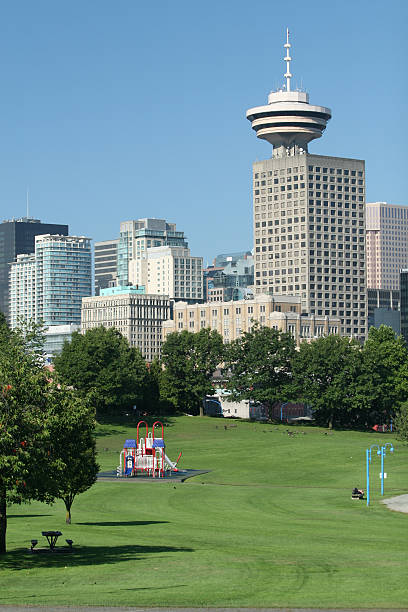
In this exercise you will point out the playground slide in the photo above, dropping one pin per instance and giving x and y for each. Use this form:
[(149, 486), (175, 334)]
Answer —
[(170, 463)]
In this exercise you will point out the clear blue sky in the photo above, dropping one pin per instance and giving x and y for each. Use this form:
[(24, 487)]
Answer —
[(115, 110)]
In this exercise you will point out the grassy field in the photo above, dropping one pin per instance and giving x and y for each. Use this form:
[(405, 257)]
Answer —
[(272, 524)]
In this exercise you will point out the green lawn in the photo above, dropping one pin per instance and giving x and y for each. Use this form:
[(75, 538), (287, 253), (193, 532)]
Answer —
[(272, 524)]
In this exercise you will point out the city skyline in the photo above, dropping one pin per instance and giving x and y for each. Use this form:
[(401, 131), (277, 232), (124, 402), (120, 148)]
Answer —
[(141, 113)]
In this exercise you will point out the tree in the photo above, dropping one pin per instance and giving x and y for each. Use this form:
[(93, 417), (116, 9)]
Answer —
[(190, 360), (326, 375), (72, 453), (384, 380), (259, 364), (24, 411), (47, 449), (104, 369), (401, 422)]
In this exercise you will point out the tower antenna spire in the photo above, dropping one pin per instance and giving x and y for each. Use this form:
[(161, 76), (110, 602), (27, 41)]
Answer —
[(287, 59)]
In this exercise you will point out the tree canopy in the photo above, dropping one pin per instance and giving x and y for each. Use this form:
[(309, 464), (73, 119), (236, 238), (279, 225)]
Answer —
[(190, 360), (325, 375), (259, 365), (104, 369), (384, 377), (71, 448), (23, 438), (47, 449)]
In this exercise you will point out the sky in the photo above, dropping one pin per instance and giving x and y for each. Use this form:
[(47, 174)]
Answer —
[(118, 110)]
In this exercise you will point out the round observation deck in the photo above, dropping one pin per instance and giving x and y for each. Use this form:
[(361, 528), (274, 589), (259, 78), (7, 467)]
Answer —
[(289, 120)]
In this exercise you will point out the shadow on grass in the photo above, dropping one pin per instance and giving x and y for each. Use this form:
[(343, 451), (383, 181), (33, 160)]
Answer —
[(23, 559), (108, 432), (120, 523), (13, 516), (130, 420)]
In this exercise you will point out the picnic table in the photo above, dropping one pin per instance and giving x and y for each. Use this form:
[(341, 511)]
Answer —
[(52, 537)]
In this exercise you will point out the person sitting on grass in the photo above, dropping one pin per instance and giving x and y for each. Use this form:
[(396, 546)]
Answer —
[(357, 493)]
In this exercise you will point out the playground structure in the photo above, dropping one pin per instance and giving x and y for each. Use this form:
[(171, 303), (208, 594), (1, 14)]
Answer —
[(146, 456)]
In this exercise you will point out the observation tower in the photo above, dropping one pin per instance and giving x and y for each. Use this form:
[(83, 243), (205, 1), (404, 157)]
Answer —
[(288, 121)]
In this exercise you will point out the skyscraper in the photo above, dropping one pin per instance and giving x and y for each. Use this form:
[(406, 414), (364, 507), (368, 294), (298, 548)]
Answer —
[(49, 285), (309, 212), (386, 243), (172, 271), (17, 237), (135, 238)]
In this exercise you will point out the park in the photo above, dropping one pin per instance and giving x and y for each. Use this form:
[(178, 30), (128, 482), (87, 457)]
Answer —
[(271, 524)]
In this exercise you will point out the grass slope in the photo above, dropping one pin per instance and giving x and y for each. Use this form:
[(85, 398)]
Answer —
[(272, 524)]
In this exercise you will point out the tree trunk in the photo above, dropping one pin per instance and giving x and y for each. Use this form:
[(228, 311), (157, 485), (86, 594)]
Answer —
[(3, 520), (201, 409), (68, 505)]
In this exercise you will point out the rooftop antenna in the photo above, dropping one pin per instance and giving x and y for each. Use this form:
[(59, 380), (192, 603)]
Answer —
[(27, 204), (287, 59)]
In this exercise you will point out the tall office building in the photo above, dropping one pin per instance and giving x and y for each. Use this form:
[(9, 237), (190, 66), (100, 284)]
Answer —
[(386, 243), (49, 285), (105, 264), (135, 238), (17, 237), (309, 213), (172, 271)]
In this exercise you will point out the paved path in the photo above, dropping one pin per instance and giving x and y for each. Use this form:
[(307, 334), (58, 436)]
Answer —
[(399, 503)]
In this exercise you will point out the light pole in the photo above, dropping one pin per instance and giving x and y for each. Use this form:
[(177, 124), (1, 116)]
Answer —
[(383, 452), (368, 461), (281, 410)]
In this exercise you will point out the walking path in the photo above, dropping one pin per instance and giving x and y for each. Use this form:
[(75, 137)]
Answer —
[(399, 503)]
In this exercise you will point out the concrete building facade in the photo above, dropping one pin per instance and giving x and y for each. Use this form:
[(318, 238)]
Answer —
[(232, 319), (309, 213), (135, 238), (136, 315), (387, 244), (172, 271)]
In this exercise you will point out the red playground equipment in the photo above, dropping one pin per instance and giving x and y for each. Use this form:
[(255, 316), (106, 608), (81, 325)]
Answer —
[(146, 456)]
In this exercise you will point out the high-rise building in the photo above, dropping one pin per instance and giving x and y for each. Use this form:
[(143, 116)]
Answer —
[(386, 244), (17, 237), (105, 264), (137, 316), (22, 302), (49, 285), (309, 213), (135, 238), (172, 271)]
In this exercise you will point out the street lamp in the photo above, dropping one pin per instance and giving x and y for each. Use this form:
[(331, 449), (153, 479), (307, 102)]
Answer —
[(383, 453), (281, 410), (368, 461)]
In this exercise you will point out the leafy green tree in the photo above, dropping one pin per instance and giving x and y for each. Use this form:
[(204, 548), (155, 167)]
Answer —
[(326, 375), (24, 412), (190, 360), (72, 452), (104, 370), (259, 365), (401, 422), (384, 378)]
